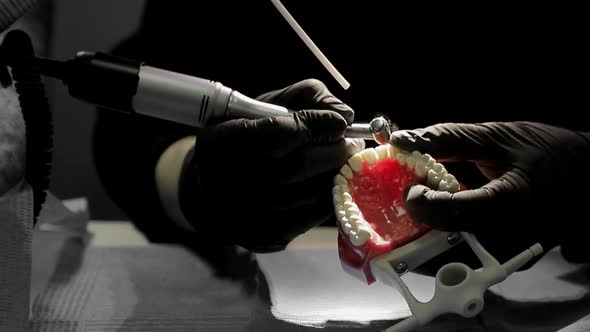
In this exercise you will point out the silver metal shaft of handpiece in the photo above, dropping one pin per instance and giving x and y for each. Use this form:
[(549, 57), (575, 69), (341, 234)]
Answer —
[(173, 96), (378, 129)]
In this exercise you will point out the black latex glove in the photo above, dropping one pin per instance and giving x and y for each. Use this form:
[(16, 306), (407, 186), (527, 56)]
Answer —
[(538, 184), (260, 183)]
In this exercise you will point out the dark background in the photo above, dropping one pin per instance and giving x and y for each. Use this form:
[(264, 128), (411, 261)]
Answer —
[(94, 26), (413, 58)]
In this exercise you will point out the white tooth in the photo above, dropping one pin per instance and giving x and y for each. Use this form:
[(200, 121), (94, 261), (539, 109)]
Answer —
[(340, 195), (352, 212), (421, 170), (411, 161), (355, 239), (349, 204), (365, 230), (433, 179), (392, 150), (344, 221), (361, 237), (354, 145), (443, 185), (346, 172), (339, 179), (383, 151), (449, 183), (337, 190), (346, 197), (341, 198), (340, 214), (358, 222), (401, 158), (351, 209), (339, 207), (428, 160), (449, 178), (370, 156), (337, 199), (438, 167), (354, 219), (443, 173), (347, 227), (356, 162), (454, 186), (423, 165), (421, 159)]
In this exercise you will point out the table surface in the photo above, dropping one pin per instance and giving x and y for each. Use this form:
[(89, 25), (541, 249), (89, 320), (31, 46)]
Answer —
[(121, 282), (118, 281), (115, 233), (123, 233)]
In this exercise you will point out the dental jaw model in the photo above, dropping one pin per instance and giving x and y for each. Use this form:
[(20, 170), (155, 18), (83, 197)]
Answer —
[(378, 241)]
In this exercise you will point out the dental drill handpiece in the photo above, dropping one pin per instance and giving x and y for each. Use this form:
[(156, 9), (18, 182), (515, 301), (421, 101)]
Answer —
[(130, 86)]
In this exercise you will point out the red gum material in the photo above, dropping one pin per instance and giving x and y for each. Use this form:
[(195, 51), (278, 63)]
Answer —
[(378, 191)]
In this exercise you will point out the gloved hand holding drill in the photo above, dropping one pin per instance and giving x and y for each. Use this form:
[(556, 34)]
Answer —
[(537, 188), (262, 182)]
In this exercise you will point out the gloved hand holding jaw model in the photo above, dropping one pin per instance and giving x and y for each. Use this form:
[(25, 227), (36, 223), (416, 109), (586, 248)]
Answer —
[(537, 188), (260, 183)]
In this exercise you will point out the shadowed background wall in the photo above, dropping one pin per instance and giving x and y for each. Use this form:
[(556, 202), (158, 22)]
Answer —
[(94, 26)]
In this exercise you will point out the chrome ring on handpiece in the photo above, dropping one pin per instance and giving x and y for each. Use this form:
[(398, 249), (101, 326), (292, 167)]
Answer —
[(379, 130)]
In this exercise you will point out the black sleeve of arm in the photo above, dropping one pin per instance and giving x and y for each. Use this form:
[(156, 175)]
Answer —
[(126, 150)]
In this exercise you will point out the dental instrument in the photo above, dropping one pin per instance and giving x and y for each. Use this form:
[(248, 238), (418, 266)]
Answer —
[(310, 44), (132, 87), (378, 129)]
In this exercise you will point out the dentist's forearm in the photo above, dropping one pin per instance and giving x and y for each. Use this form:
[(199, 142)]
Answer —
[(167, 174)]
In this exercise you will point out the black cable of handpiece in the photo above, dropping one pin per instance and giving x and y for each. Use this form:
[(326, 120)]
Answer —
[(17, 53)]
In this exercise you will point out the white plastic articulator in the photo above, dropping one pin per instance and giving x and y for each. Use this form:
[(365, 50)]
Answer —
[(458, 288)]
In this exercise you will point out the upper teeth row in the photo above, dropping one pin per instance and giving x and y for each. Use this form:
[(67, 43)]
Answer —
[(348, 213), (425, 166), (355, 163)]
